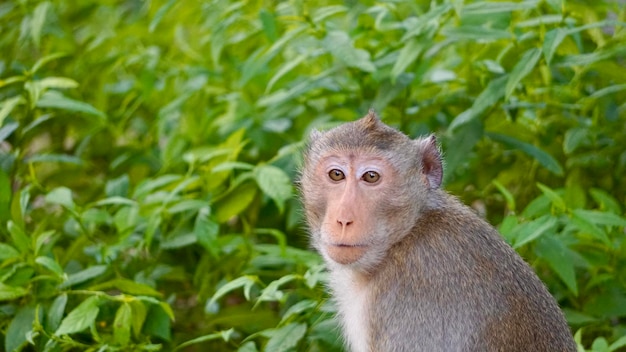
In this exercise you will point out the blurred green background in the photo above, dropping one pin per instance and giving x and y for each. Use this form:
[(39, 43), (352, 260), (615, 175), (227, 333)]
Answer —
[(149, 154)]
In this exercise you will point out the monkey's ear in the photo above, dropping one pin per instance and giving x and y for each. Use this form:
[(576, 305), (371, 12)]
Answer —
[(431, 161)]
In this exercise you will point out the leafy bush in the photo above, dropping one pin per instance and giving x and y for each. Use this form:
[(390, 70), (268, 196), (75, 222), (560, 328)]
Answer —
[(148, 152)]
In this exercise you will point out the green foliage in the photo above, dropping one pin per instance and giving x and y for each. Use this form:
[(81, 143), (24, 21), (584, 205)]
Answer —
[(148, 152)]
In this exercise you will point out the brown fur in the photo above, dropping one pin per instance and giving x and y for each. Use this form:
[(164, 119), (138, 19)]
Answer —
[(411, 268)]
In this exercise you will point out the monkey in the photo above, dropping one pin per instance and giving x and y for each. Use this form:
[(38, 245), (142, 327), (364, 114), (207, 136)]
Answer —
[(410, 267)]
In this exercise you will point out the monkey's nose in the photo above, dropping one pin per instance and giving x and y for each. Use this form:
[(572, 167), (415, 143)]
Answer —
[(344, 222)]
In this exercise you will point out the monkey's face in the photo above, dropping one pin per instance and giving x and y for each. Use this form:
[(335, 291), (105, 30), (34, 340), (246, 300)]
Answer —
[(356, 208)]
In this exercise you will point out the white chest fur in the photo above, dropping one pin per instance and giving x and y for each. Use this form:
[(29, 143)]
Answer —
[(351, 296)]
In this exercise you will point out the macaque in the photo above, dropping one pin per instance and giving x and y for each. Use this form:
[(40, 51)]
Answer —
[(410, 267)]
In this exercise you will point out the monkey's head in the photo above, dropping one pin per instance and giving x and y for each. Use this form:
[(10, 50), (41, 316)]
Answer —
[(363, 186)]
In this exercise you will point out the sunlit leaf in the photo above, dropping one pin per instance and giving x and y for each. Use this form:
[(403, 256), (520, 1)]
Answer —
[(340, 45), (122, 324), (286, 337), (81, 317), (522, 68), (56, 100), (84, 275)]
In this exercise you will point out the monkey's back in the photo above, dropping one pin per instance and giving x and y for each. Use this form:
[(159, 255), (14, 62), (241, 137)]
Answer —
[(453, 284)]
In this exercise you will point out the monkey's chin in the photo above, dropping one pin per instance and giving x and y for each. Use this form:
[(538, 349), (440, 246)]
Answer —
[(345, 254)]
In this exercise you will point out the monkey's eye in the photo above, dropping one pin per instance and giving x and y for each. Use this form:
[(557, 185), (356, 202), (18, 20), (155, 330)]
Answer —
[(370, 177), (336, 175)]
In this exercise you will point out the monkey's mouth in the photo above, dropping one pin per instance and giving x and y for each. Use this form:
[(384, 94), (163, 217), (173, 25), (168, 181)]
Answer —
[(344, 253)]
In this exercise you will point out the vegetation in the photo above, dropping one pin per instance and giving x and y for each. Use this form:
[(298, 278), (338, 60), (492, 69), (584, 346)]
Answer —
[(149, 149)]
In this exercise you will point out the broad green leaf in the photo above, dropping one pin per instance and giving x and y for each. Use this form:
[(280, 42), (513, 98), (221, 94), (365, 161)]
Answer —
[(558, 257), (486, 99), (268, 21), (57, 82), (600, 344), (619, 343), (601, 218), (249, 346), (534, 229), (275, 183), (158, 323), (127, 286), (37, 22), (285, 338), (225, 335), (476, 33), (488, 8), (245, 281), (299, 307), (7, 252), (272, 293), (61, 196), (574, 138), (5, 197), (522, 68), (19, 238), (286, 68), (139, 312), (44, 60), (546, 160), (587, 227), (321, 13), (234, 202), (408, 55), (8, 293), (7, 107), (82, 276), (81, 317), (206, 231), (55, 158), (20, 326), (55, 313), (556, 199), (56, 100), (122, 324), (605, 201), (179, 241), (552, 40), (50, 264), (7, 130), (340, 45)]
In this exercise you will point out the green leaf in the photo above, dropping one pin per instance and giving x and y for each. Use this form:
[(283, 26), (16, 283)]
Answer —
[(127, 286), (589, 228), (489, 8), (234, 202), (61, 196), (299, 307), (619, 343), (57, 82), (56, 100), (534, 229), (522, 68), (605, 201), (20, 326), (408, 55), (285, 338), (246, 282), (19, 238), (44, 60), (7, 107), (50, 264), (122, 325), (275, 183), (37, 22), (225, 335), (340, 45), (7, 252), (82, 317), (206, 231), (476, 33), (271, 292), (556, 199), (55, 313), (8, 293), (139, 312), (487, 99), (574, 138), (546, 160), (158, 323), (552, 40), (558, 257), (601, 218), (84, 275)]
